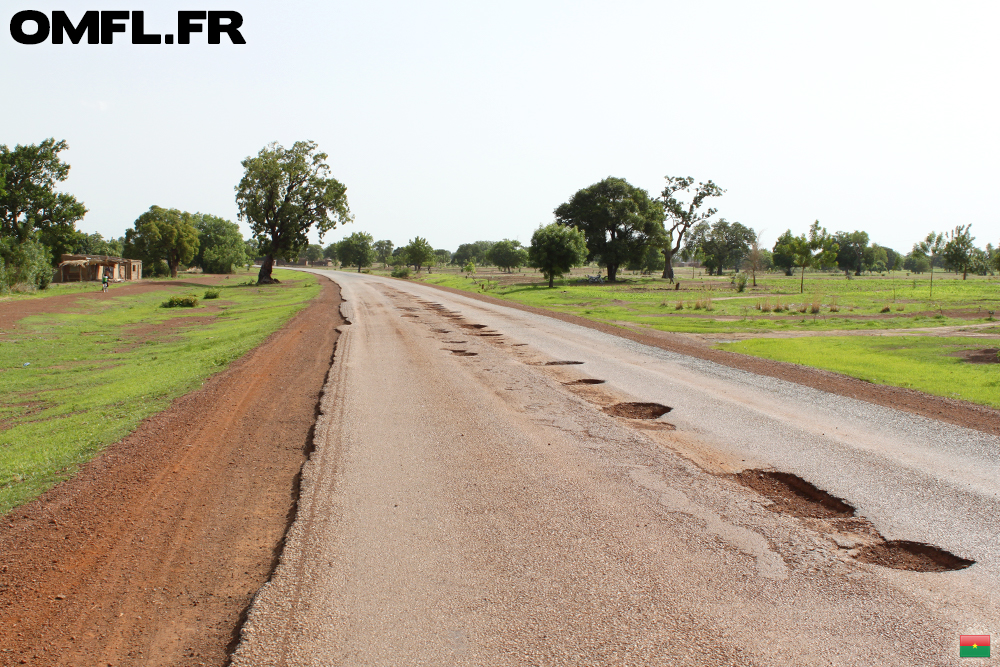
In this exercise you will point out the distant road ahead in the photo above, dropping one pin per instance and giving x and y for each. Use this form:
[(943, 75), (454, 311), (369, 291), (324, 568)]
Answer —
[(465, 506)]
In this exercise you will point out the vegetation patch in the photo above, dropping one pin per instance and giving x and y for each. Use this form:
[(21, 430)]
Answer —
[(926, 363), (92, 376), (181, 302)]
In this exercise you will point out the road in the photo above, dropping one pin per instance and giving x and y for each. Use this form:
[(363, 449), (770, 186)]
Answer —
[(465, 506)]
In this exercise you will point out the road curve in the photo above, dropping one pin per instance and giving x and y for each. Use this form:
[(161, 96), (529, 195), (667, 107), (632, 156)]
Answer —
[(464, 506)]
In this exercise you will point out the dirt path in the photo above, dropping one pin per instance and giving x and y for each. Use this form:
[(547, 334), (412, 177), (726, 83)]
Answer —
[(151, 555)]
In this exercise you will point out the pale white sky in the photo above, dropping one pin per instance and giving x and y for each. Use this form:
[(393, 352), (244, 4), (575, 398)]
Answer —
[(460, 121)]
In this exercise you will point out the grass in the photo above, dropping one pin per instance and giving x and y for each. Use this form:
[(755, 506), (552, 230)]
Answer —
[(916, 362), (73, 383), (830, 302)]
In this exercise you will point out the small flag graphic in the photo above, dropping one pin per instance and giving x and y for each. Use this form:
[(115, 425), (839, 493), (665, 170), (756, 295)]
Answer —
[(974, 646)]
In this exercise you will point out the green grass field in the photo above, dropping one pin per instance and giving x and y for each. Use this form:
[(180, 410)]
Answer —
[(712, 305), (925, 363), (73, 383)]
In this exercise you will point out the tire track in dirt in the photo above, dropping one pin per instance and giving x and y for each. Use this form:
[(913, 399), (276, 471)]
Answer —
[(151, 555)]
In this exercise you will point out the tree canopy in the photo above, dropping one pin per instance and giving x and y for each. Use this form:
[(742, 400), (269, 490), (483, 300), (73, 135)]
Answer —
[(356, 250), (723, 244), (817, 249), (30, 207), (286, 192), (472, 252), (959, 251), (383, 251), (163, 234), (557, 248), (220, 244), (681, 217), (617, 219), (419, 253), (507, 255)]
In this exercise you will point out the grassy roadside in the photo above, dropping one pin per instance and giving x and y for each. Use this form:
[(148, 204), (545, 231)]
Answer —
[(927, 364), (712, 305), (74, 382)]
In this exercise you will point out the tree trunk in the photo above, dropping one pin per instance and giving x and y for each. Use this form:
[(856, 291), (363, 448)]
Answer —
[(612, 272), (359, 268), (264, 277), (802, 283), (668, 270), (552, 278)]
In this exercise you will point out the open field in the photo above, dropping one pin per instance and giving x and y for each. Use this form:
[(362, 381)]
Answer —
[(81, 374)]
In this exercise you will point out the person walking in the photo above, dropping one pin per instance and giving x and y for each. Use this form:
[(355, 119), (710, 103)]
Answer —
[(104, 282)]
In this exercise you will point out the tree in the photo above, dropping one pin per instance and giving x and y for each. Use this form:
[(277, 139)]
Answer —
[(875, 259), (507, 255), (356, 250), (931, 247), (651, 260), (916, 261), (617, 218), (681, 217), (851, 253), (220, 244), (959, 251), (419, 253), (383, 251), (722, 244), (442, 256), (818, 249), (163, 234), (286, 192), (330, 252), (29, 205), (472, 252), (95, 244), (757, 259), (782, 255), (557, 248), (312, 252)]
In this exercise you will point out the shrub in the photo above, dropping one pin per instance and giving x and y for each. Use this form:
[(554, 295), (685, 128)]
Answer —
[(834, 308), (885, 309), (740, 280), (815, 305), (401, 272), (679, 306), (212, 294), (181, 302)]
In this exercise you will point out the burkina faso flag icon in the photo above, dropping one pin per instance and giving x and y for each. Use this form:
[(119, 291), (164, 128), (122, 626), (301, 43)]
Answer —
[(974, 646)]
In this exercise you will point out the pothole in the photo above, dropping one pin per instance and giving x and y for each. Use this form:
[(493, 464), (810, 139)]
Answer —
[(562, 363), (519, 344), (793, 495), (912, 556), (473, 326), (442, 330), (463, 353), (409, 316), (456, 342), (637, 410), (490, 334), (584, 381)]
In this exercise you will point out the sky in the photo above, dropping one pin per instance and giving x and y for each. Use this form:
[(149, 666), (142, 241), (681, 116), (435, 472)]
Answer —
[(462, 121)]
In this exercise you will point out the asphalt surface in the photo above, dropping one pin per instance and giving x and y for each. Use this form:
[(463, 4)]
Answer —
[(475, 510)]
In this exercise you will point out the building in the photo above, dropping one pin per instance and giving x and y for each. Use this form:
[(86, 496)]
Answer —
[(78, 268)]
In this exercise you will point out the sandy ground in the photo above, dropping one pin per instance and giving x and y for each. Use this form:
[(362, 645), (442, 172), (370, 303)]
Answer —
[(150, 556)]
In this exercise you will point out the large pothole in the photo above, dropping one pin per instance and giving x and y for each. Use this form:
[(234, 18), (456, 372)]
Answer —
[(584, 381), (912, 556), (637, 410), (463, 353), (473, 326), (793, 495)]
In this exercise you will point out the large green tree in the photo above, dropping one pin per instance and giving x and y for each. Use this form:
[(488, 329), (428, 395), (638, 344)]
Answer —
[(682, 216), (163, 234), (722, 244), (851, 251), (782, 255), (30, 207), (356, 250), (555, 249), (507, 255), (472, 252), (221, 247), (617, 218), (419, 253), (286, 192), (815, 250)]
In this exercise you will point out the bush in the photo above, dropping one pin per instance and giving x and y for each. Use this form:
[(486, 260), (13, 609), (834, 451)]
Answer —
[(401, 272), (24, 266), (181, 302), (212, 294), (740, 280)]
